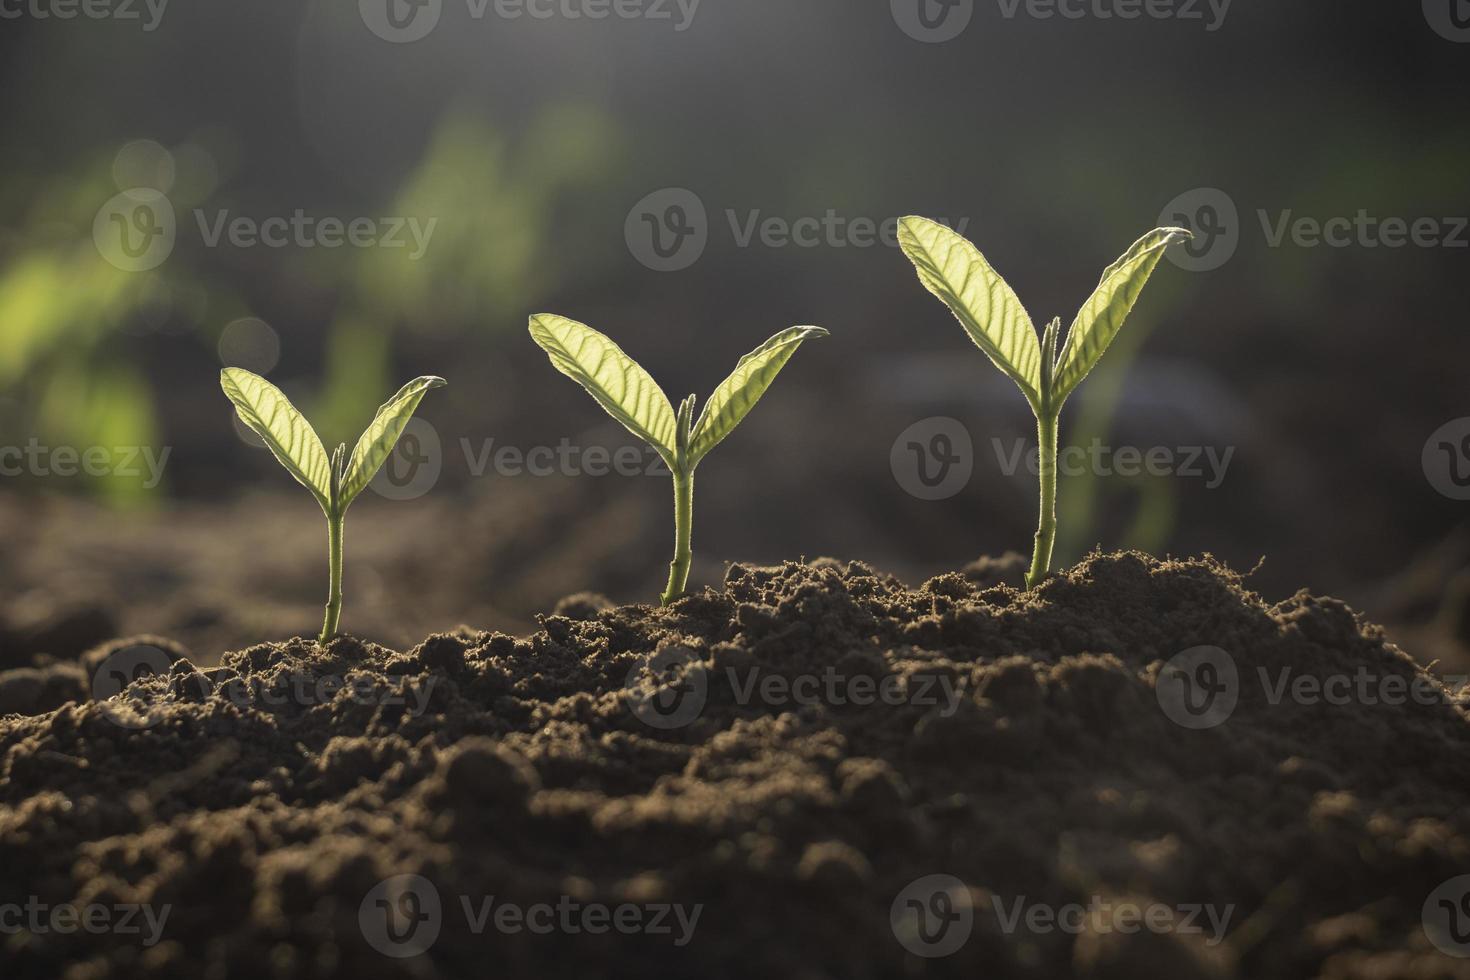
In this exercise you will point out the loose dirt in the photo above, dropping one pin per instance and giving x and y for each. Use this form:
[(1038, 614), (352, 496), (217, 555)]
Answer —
[(761, 780)]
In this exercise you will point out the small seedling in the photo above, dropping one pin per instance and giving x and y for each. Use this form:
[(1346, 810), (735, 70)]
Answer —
[(952, 268), (336, 481), (630, 395)]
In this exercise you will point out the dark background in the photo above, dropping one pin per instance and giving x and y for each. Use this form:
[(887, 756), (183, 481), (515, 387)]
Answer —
[(1058, 140)]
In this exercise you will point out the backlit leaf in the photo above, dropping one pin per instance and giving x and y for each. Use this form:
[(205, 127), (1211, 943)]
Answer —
[(284, 430), (621, 387), (955, 271), (1102, 316), (737, 394), (377, 441)]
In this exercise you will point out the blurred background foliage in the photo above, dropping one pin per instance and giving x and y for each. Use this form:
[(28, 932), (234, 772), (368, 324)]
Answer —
[(527, 142)]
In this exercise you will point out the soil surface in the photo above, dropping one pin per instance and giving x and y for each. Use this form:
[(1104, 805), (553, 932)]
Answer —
[(812, 771)]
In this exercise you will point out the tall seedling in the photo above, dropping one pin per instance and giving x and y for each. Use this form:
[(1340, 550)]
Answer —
[(631, 396), (336, 481), (953, 269)]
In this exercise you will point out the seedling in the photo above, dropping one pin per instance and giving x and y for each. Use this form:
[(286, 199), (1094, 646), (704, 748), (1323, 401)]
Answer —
[(630, 395), (336, 481), (952, 268)]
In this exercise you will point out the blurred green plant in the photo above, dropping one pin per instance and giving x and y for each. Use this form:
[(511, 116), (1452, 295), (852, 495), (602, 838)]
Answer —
[(494, 201), (61, 305), (68, 367), (1078, 513)]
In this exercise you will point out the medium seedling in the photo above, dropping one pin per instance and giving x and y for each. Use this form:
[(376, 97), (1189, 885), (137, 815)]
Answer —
[(336, 481), (953, 269), (629, 394)]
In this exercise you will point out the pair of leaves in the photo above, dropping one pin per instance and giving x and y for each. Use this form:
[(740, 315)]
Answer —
[(337, 480), (953, 269), (630, 395)]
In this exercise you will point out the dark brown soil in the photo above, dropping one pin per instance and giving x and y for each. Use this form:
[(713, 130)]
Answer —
[(264, 809)]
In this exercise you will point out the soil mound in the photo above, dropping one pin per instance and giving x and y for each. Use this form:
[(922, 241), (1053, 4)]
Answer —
[(1138, 769)]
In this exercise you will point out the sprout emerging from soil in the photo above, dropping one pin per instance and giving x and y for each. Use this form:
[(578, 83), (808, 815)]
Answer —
[(336, 481), (953, 269), (629, 394)]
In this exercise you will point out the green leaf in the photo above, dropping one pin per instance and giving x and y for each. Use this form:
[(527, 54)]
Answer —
[(377, 441), (1102, 316), (955, 271), (737, 394), (285, 431), (621, 387)]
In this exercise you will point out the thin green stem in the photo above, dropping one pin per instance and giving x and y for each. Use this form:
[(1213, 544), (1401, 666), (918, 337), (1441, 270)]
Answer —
[(334, 595), (683, 531), (1046, 522)]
